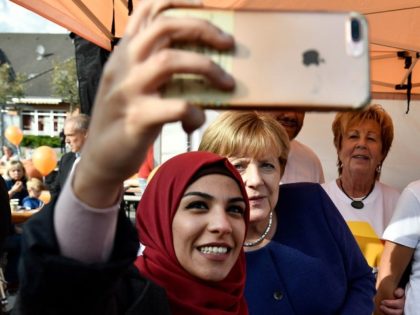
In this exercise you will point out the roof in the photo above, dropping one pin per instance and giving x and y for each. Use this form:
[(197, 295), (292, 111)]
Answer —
[(34, 55)]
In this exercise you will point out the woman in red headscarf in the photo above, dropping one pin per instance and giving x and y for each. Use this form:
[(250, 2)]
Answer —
[(191, 222), (178, 256)]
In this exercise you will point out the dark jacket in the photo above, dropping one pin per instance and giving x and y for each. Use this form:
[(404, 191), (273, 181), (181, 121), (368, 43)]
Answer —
[(53, 284), (64, 167), (313, 265), (5, 214), (20, 194)]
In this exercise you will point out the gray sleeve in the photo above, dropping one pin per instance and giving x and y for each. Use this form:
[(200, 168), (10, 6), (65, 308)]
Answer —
[(84, 233)]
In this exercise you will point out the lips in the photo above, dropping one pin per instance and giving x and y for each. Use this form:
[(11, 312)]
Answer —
[(255, 199), (360, 156)]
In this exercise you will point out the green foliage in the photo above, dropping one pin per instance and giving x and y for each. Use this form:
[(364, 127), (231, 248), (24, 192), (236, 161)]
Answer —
[(64, 82), (10, 86), (37, 141)]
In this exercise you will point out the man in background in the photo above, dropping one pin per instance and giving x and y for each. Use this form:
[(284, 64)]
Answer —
[(75, 131), (8, 155), (303, 165)]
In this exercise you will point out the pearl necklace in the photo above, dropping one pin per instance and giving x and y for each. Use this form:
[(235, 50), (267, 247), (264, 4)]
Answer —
[(261, 238)]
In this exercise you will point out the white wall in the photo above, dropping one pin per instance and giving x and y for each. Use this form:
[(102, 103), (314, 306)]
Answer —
[(401, 166)]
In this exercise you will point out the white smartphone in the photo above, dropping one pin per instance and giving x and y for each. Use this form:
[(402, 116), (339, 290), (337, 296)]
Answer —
[(304, 60)]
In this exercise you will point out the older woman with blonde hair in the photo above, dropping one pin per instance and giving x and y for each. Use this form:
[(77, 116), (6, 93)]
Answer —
[(297, 241), (363, 140)]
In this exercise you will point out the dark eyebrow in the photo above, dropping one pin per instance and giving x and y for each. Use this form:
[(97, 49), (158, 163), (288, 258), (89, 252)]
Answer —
[(209, 197), (198, 193)]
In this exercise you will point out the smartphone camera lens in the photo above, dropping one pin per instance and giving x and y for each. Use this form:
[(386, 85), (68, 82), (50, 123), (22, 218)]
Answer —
[(356, 33)]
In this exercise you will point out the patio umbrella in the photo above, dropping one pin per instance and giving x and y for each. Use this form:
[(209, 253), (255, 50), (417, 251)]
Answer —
[(394, 30), (98, 21)]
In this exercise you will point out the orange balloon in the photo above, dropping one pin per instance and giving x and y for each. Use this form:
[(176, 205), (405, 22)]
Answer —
[(44, 159), (14, 135), (45, 196)]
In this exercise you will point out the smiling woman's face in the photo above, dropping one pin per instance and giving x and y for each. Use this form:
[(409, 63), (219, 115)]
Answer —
[(361, 148), (209, 227)]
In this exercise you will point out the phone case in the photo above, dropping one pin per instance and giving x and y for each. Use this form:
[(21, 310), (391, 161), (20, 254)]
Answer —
[(305, 60)]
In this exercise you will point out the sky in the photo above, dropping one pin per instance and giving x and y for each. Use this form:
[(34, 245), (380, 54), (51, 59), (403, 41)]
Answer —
[(16, 19)]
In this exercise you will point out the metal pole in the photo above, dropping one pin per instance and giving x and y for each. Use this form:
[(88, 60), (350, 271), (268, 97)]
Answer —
[(2, 123)]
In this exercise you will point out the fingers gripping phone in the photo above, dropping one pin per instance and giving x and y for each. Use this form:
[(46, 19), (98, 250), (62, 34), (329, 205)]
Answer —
[(305, 60)]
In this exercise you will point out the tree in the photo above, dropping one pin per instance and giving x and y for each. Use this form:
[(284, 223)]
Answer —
[(64, 82), (11, 85)]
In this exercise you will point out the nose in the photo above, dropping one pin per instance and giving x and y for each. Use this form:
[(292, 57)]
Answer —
[(219, 222), (361, 143), (252, 176)]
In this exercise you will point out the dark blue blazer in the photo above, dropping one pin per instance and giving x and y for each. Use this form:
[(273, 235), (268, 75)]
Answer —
[(64, 167), (313, 265)]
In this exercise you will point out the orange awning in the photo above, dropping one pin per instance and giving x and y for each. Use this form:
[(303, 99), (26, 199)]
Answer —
[(394, 27)]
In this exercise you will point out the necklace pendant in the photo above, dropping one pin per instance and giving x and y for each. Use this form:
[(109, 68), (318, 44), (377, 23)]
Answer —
[(357, 204)]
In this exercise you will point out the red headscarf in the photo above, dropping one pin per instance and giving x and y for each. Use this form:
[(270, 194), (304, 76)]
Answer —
[(187, 294)]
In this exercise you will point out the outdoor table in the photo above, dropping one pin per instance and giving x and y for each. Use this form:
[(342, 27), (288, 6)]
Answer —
[(21, 216)]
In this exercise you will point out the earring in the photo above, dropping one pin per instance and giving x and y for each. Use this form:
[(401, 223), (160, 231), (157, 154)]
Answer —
[(379, 168)]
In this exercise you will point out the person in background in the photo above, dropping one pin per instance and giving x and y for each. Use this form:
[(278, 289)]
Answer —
[(62, 141), (92, 271), (303, 163), (16, 180), (301, 257), (16, 186), (362, 140), (402, 251), (75, 131), (35, 187), (8, 155)]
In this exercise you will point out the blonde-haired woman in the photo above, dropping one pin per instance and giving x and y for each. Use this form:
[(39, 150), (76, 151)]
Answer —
[(297, 241)]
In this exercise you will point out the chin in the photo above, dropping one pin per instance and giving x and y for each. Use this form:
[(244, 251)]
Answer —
[(217, 275), (258, 215)]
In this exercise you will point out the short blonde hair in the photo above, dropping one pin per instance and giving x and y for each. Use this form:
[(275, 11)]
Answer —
[(238, 133), (34, 183), (374, 112)]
